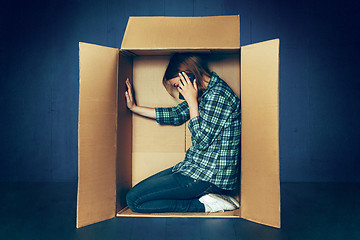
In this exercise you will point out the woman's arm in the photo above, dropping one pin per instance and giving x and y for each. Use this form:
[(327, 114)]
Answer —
[(143, 111), (205, 128)]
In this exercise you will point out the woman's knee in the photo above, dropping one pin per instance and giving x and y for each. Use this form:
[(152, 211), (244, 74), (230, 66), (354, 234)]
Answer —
[(131, 198), (146, 190)]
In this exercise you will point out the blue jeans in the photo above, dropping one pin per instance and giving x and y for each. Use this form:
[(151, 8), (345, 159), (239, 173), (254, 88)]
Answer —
[(167, 191)]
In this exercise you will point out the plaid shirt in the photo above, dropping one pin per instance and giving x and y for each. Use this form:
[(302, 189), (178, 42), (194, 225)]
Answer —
[(215, 135)]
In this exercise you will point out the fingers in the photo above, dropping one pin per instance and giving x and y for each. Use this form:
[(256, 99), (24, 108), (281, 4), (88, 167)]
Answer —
[(181, 80), (195, 85), (128, 93), (182, 83), (127, 97), (128, 84), (184, 79), (187, 79), (179, 89)]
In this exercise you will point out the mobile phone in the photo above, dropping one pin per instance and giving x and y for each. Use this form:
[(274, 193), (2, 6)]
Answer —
[(192, 78)]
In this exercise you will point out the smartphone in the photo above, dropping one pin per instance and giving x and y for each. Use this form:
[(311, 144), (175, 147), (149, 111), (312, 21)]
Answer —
[(192, 78)]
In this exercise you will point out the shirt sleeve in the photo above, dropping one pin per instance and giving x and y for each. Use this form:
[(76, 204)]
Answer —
[(173, 115), (208, 125)]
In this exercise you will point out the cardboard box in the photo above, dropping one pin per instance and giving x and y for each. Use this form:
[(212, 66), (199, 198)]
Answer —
[(118, 149)]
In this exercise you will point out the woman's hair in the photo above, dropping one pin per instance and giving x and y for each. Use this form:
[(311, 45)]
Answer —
[(186, 62)]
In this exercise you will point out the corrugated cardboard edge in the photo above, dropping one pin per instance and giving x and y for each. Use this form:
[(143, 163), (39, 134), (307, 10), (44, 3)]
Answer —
[(126, 212), (78, 162)]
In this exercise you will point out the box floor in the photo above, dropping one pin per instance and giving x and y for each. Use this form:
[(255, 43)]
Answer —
[(309, 211)]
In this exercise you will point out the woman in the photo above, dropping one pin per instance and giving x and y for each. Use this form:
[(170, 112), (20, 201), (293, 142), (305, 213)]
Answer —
[(203, 180)]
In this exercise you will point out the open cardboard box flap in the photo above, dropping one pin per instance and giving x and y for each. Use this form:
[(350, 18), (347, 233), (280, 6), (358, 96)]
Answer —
[(106, 126), (182, 33)]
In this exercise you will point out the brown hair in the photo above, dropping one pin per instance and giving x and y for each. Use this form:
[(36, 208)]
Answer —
[(187, 62)]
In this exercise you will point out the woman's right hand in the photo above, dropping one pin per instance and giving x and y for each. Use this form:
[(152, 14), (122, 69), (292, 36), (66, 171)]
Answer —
[(130, 103)]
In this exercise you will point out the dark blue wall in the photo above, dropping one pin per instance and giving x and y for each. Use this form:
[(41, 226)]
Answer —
[(319, 84)]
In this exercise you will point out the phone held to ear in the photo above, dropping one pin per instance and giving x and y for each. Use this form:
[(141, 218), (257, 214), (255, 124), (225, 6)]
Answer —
[(192, 78)]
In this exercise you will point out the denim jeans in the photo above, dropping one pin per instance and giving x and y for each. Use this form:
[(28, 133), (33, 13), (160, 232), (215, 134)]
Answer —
[(167, 191)]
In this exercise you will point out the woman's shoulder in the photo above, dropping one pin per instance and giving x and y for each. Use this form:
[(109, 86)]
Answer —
[(222, 89)]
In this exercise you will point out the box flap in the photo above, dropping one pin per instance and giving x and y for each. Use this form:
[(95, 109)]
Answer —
[(97, 133), (217, 32), (260, 183)]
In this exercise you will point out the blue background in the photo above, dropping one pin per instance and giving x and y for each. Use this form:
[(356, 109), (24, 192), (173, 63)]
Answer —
[(319, 83)]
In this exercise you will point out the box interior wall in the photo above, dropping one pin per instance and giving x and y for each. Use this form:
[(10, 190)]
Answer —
[(156, 147)]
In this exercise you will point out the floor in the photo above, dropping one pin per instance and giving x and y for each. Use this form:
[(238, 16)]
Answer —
[(309, 211)]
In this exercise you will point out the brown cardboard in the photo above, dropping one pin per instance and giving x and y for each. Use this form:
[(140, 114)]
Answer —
[(155, 147), (97, 133), (143, 147), (124, 135), (260, 183), (153, 33), (126, 212), (146, 164)]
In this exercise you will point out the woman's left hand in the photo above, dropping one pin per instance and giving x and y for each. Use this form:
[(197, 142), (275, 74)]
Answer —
[(187, 89)]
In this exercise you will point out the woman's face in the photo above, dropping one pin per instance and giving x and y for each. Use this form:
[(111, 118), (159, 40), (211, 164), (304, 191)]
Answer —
[(174, 81)]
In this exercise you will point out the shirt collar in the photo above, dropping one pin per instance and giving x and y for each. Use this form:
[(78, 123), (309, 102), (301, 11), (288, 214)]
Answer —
[(213, 80)]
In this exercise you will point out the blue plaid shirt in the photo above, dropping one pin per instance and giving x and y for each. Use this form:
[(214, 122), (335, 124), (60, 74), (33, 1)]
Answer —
[(215, 135)]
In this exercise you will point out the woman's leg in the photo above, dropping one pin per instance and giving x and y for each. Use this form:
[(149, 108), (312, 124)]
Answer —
[(169, 192)]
